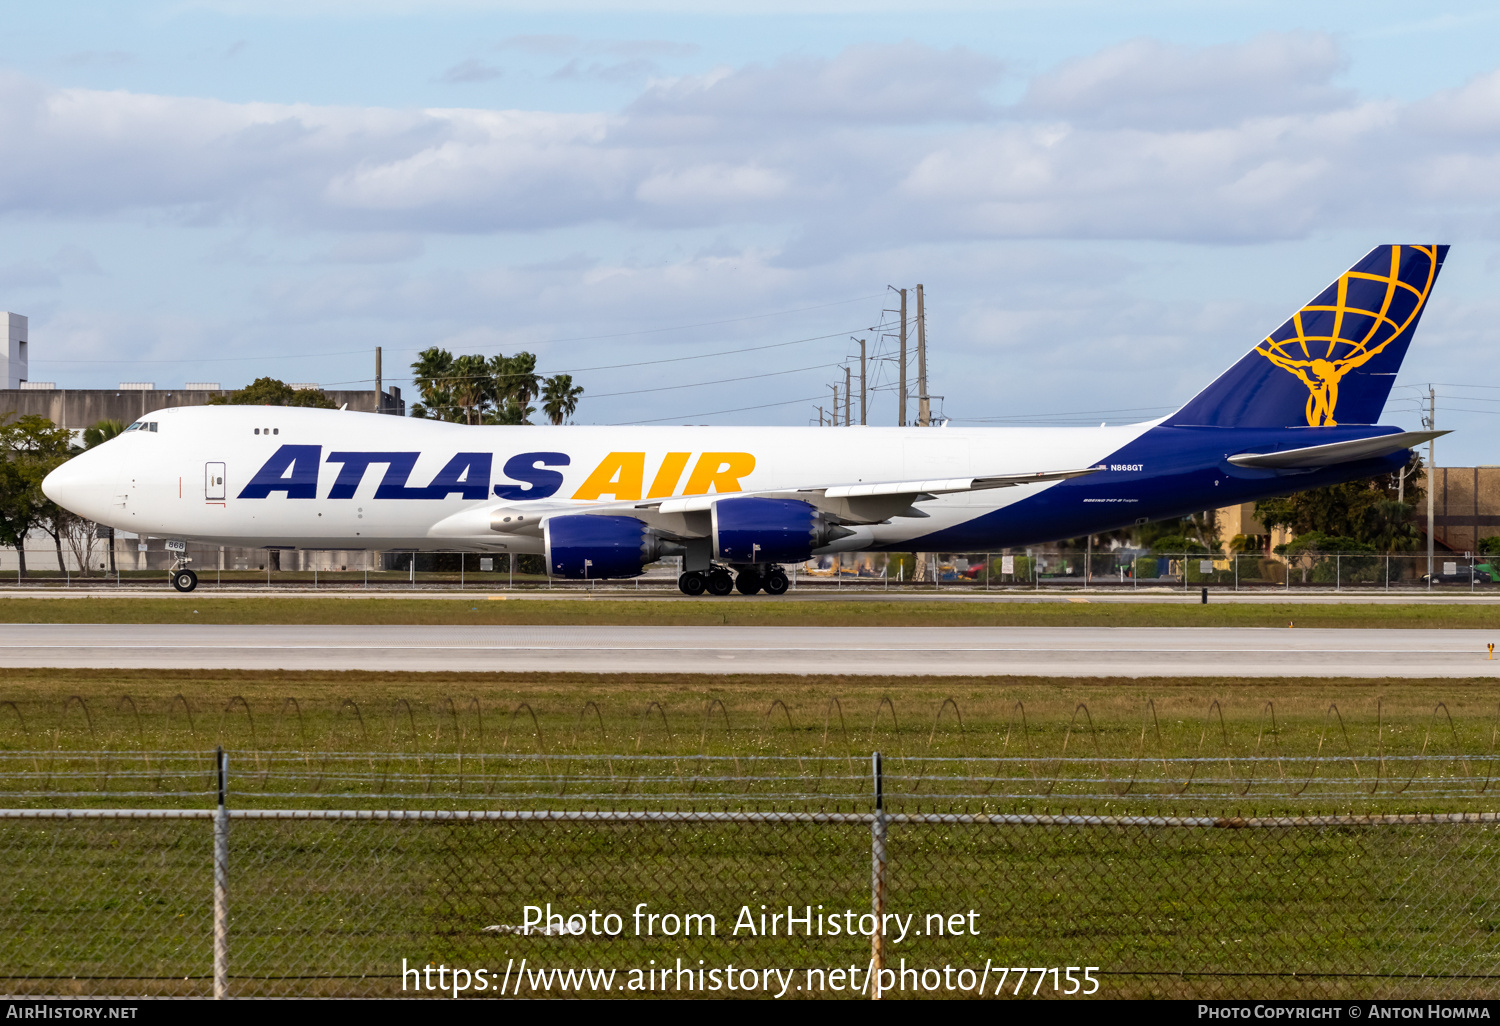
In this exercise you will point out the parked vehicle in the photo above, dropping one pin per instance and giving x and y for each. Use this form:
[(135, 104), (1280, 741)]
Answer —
[(1468, 576)]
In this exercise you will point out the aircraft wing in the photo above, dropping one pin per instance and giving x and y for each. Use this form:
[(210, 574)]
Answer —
[(909, 491), (1335, 452), (864, 502)]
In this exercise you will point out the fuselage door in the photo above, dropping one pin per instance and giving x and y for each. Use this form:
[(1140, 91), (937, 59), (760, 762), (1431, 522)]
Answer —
[(213, 482)]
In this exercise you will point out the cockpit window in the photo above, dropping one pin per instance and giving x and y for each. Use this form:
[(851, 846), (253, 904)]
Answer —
[(143, 425), (135, 427)]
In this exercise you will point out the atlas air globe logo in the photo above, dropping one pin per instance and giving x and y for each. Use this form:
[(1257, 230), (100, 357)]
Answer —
[(1351, 323)]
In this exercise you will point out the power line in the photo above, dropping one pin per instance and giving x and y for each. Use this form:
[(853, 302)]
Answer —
[(639, 363), (544, 342), (1075, 413), (715, 413), (720, 381)]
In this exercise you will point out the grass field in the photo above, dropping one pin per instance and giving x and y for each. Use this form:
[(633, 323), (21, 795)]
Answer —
[(740, 611), (332, 908), (461, 740)]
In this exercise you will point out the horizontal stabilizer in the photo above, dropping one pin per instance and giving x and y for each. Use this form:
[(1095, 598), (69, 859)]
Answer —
[(1335, 452)]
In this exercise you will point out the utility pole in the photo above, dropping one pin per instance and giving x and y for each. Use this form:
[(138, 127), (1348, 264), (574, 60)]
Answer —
[(820, 416), (1431, 475), (847, 404), (862, 393), (834, 422), (924, 405), (901, 409), (379, 394)]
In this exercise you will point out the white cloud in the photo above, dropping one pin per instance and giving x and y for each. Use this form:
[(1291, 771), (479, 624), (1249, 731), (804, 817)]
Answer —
[(1146, 83), (472, 70), (906, 83), (713, 184), (878, 144)]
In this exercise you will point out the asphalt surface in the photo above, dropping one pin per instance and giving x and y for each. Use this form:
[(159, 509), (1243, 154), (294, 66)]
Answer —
[(918, 651), (822, 593)]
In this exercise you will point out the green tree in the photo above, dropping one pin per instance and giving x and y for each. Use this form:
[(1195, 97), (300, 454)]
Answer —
[(1367, 511), (1177, 545), (30, 448), (101, 431), (432, 373), (516, 384), (560, 397), (476, 390), (471, 387), (511, 413), (274, 392)]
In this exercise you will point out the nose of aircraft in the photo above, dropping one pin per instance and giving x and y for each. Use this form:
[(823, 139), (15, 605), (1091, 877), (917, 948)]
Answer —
[(81, 485)]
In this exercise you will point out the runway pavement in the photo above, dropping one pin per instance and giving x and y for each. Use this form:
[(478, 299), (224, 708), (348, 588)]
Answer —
[(923, 651)]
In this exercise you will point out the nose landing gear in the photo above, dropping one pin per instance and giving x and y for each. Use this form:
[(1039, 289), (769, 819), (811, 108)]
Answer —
[(183, 579)]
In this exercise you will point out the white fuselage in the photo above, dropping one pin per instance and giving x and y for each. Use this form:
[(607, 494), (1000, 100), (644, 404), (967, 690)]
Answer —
[(189, 478)]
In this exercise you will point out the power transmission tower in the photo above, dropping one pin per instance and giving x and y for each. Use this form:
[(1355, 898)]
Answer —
[(862, 393), (924, 404), (901, 362), (1431, 425)]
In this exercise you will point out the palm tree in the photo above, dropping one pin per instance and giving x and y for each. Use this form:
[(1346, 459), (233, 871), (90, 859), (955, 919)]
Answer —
[(515, 379), (471, 386), (101, 431), (431, 373), (560, 397)]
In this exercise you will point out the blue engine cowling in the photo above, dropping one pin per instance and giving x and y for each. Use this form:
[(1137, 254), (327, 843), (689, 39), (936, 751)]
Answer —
[(752, 530), (596, 547)]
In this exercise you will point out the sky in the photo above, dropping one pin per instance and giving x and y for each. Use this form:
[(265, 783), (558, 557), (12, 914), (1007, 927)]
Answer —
[(696, 209)]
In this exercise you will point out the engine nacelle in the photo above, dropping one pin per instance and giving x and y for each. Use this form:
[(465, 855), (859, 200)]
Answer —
[(597, 547), (753, 530)]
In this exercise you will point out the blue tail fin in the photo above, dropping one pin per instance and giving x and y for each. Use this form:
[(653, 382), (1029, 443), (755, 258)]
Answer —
[(1335, 360)]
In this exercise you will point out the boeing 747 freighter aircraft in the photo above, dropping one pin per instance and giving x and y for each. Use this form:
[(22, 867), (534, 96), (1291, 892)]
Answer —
[(1298, 411)]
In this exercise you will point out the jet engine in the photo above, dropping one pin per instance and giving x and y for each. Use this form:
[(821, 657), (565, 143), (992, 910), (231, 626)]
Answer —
[(754, 530), (596, 547)]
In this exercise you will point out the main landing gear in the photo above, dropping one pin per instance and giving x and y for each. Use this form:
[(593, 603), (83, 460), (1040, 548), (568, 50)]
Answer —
[(720, 581)]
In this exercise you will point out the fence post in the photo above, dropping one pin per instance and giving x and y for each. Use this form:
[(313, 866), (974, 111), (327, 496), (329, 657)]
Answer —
[(877, 880), (221, 883)]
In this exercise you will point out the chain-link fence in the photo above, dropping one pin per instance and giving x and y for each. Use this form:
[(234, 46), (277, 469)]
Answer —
[(865, 901), (131, 565)]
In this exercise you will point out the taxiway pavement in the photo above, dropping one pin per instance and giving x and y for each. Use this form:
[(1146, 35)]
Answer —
[(864, 651)]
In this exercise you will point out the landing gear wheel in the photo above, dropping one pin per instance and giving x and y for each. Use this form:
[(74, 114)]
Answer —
[(720, 583), (184, 580), (748, 582), (691, 584), (775, 582)]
